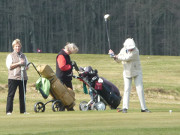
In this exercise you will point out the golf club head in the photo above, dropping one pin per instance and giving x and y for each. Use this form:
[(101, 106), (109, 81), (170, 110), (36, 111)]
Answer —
[(106, 16)]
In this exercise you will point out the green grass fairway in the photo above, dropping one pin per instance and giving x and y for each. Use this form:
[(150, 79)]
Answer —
[(161, 77), (91, 123)]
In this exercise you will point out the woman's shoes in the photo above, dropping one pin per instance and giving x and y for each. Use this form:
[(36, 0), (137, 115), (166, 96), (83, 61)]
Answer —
[(8, 113), (146, 110), (124, 110)]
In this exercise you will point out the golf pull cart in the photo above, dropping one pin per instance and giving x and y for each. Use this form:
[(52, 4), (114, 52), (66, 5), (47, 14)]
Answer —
[(43, 86), (101, 91), (56, 106)]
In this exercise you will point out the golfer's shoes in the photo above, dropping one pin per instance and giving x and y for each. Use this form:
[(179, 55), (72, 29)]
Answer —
[(8, 113), (122, 110), (70, 109), (26, 113), (146, 110)]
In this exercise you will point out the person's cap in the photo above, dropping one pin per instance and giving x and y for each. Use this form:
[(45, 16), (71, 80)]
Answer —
[(129, 44)]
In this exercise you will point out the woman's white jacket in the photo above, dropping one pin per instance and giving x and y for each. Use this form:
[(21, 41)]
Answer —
[(130, 61)]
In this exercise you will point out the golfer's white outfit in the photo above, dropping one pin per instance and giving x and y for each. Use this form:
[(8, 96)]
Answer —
[(132, 69)]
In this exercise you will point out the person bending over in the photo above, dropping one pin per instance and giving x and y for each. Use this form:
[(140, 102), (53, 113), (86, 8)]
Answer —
[(64, 64)]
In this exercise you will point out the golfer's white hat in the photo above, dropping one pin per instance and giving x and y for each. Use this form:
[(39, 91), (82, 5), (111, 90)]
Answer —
[(129, 43)]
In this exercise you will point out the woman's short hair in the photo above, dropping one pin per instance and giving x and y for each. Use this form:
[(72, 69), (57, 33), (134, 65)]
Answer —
[(16, 41), (71, 47)]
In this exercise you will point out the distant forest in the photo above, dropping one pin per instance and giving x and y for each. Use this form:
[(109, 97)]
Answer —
[(48, 24)]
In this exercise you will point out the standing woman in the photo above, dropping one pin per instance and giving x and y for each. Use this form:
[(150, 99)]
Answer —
[(16, 63), (129, 55)]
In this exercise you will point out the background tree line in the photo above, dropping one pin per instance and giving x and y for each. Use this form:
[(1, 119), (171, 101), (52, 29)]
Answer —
[(49, 24)]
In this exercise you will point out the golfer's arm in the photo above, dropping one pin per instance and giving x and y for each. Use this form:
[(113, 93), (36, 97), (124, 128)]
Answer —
[(15, 65), (128, 57), (62, 63)]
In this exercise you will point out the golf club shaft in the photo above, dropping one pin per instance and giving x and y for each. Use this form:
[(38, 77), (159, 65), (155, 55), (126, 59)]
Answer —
[(107, 35), (24, 90), (22, 79)]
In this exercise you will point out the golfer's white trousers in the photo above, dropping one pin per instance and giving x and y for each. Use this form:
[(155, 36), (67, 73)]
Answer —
[(139, 88)]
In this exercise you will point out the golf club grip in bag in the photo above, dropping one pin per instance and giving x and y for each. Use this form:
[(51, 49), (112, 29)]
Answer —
[(57, 89)]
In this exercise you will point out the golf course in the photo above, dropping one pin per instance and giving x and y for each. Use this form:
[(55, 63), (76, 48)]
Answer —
[(161, 79)]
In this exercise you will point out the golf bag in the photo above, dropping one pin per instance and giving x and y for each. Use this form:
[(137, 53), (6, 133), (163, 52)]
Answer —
[(63, 97), (57, 89), (100, 90)]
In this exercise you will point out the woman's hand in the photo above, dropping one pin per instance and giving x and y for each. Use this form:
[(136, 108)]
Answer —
[(22, 62), (111, 53)]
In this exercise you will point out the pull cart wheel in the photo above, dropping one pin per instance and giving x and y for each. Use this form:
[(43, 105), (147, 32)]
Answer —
[(100, 106), (83, 106), (57, 106), (39, 107)]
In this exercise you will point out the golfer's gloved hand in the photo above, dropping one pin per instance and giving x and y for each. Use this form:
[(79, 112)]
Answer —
[(111, 53), (75, 65)]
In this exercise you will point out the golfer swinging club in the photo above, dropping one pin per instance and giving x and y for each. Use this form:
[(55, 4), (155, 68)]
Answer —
[(129, 55)]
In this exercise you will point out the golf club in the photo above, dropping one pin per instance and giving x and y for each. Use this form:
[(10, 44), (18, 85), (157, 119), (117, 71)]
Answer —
[(22, 79), (106, 16)]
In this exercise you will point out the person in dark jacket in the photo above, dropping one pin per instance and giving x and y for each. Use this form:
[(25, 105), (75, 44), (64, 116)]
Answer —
[(64, 64)]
